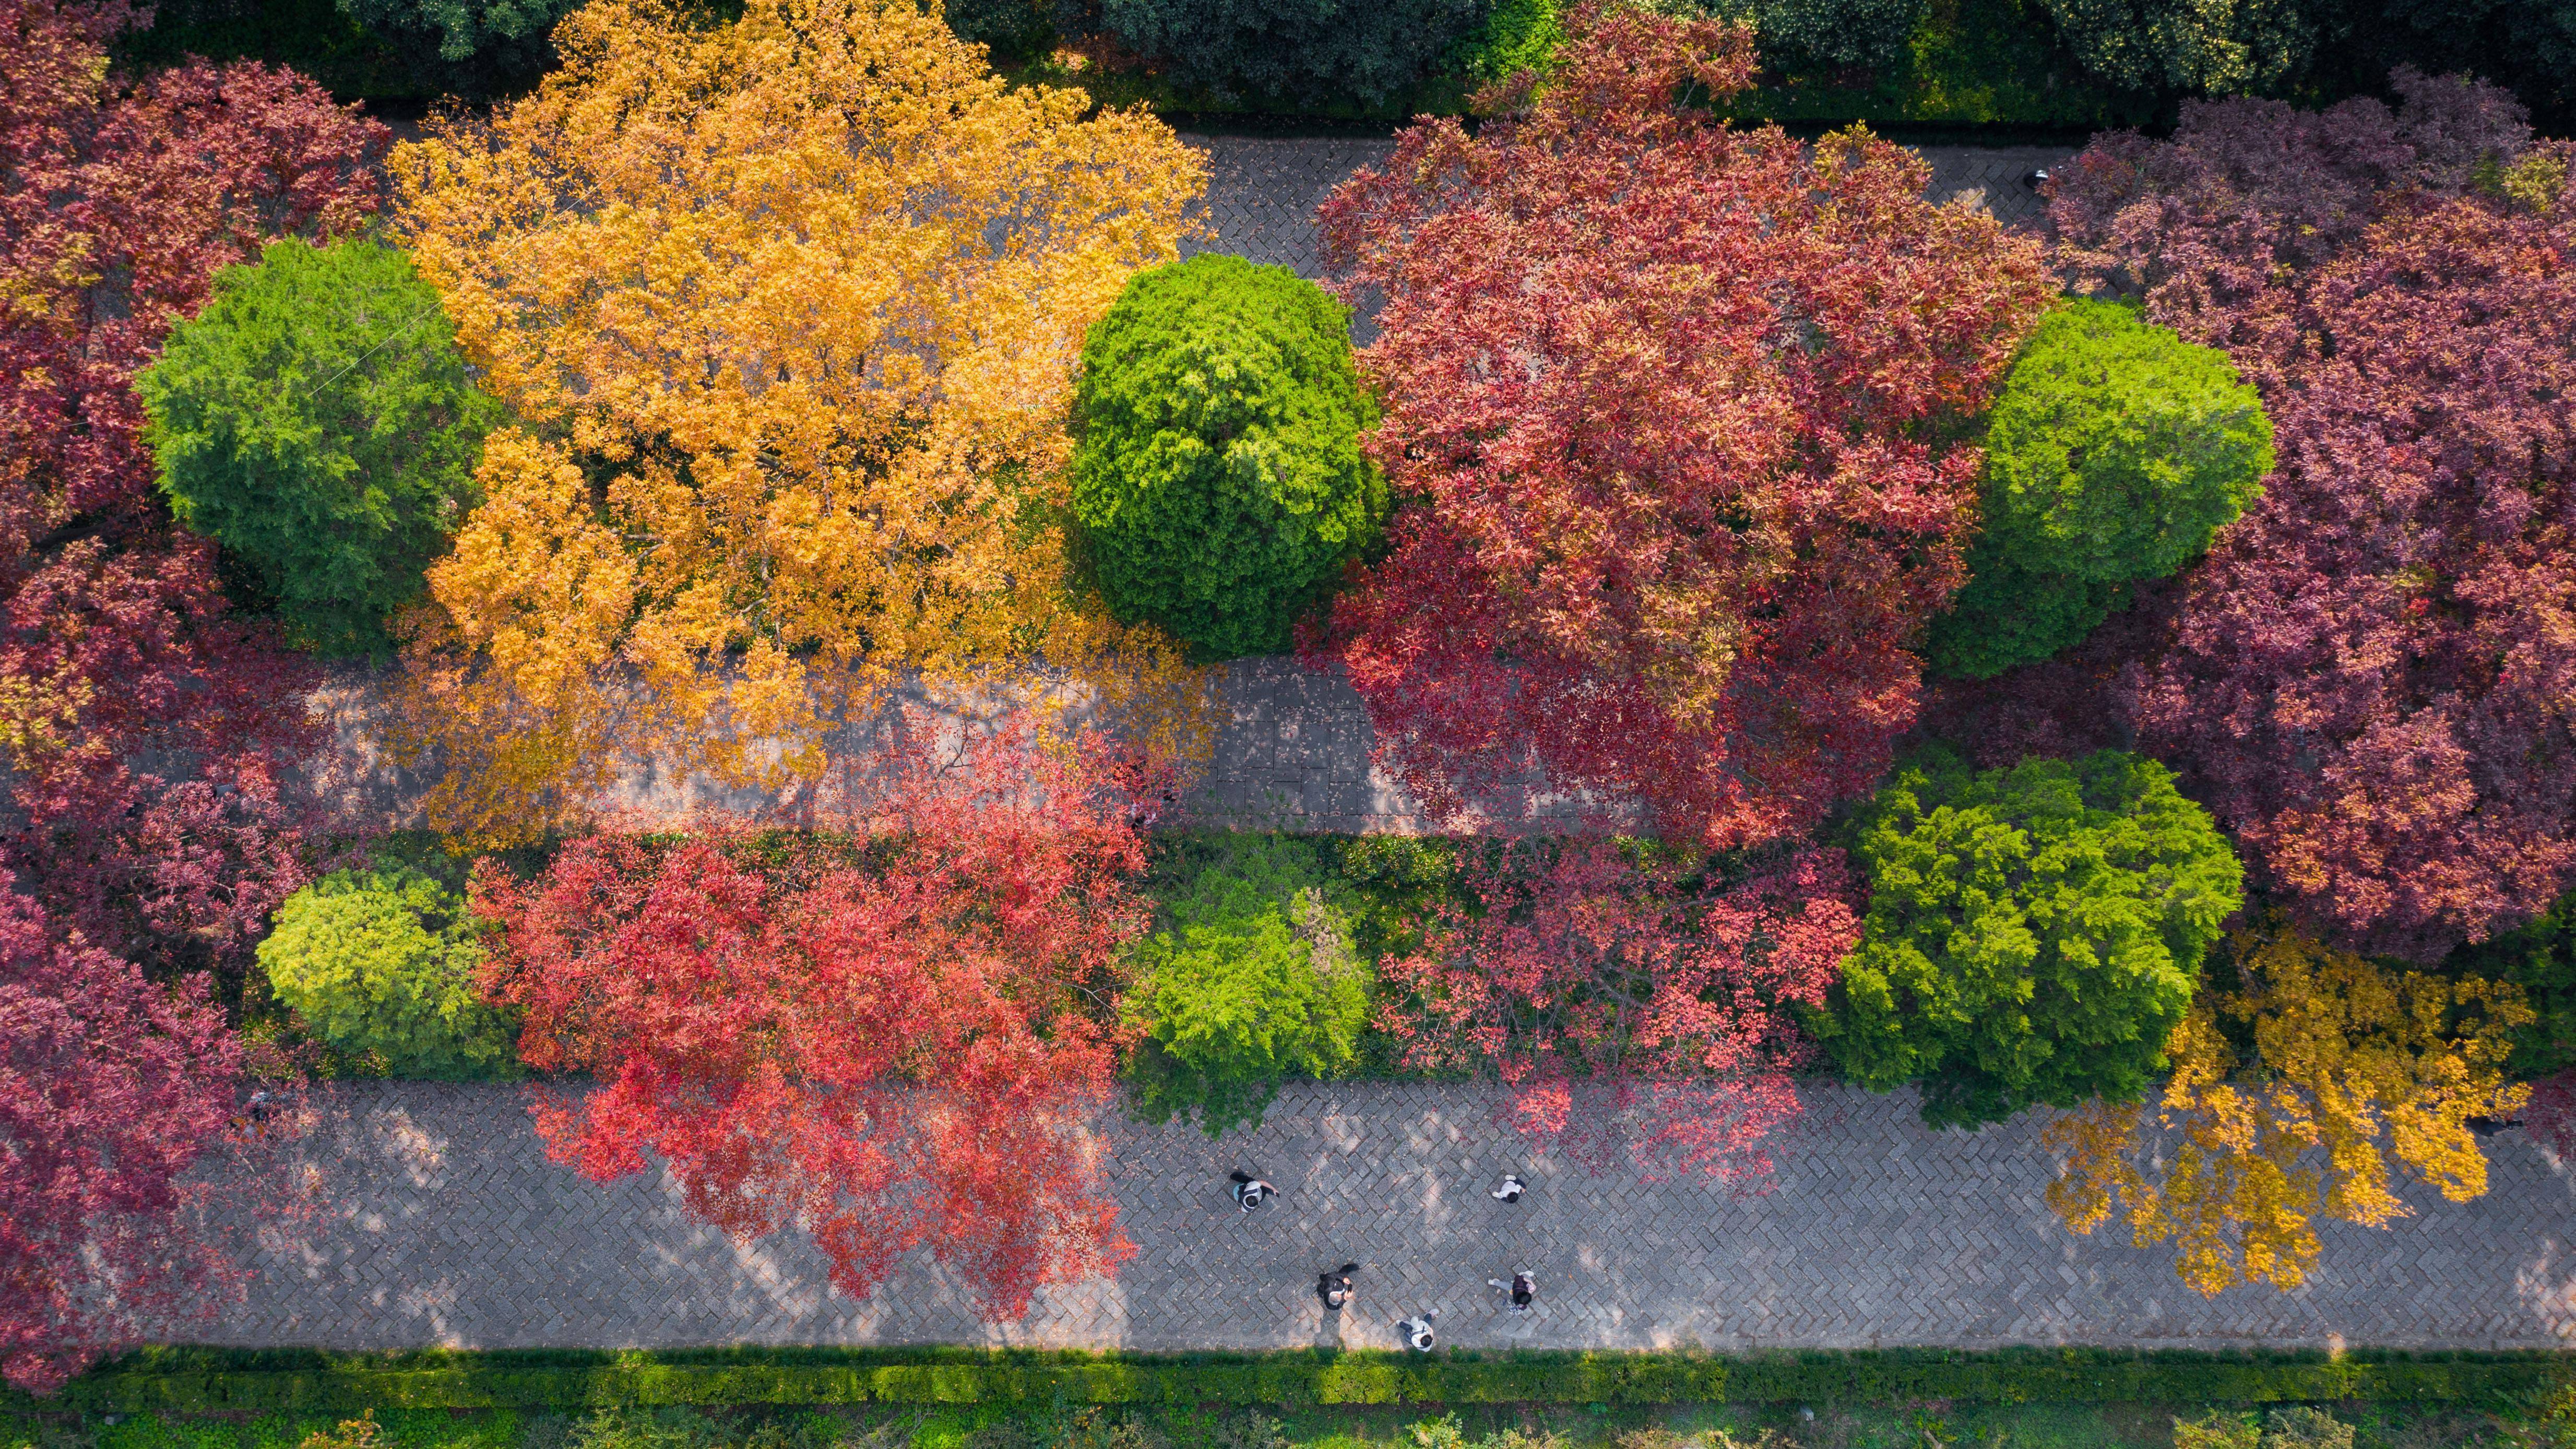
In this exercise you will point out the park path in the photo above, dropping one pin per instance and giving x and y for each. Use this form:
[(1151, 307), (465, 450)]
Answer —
[(447, 1226), (1292, 745)]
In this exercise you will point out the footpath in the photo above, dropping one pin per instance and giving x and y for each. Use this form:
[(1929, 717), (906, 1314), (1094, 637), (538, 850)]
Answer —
[(447, 1226)]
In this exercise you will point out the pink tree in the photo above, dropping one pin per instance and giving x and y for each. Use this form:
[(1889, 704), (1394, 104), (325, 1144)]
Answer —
[(881, 1049), (1627, 1012)]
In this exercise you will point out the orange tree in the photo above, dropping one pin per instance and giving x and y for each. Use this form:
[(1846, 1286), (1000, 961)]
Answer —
[(2287, 1098), (1677, 407), (788, 308)]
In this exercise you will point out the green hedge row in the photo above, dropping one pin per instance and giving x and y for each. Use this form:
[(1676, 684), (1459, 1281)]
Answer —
[(197, 1381)]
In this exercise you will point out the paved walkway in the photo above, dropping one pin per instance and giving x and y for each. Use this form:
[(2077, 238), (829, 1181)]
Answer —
[(451, 1228)]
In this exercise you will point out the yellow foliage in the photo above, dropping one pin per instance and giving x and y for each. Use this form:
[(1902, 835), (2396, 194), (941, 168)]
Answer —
[(2287, 1099), (789, 309)]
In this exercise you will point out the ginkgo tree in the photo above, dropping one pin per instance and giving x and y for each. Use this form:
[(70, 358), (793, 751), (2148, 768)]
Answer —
[(2288, 1096), (789, 309)]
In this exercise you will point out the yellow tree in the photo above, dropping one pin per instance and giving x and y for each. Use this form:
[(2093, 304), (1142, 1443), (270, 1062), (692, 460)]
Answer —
[(788, 310), (2288, 1097)]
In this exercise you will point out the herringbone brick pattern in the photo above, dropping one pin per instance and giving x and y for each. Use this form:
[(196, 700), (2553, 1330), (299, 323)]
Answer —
[(449, 1226)]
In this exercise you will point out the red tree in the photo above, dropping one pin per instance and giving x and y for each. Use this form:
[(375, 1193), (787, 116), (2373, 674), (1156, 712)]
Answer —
[(1627, 1013), (2368, 681), (111, 1088), (148, 731), (1669, 396), (898, 1051)]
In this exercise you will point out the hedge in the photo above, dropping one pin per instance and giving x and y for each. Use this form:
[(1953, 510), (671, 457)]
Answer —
[(199, 1381)]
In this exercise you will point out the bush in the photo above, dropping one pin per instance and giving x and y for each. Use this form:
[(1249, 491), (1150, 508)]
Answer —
[(2034, 934), (1299, 50), (317, 421), (1010, 29), (2541, 959), (2210, 47), (1218, 482), (1812, 37), (1251, 978), (384, 962), (1517, 35), (512, 30), (2116, 452)]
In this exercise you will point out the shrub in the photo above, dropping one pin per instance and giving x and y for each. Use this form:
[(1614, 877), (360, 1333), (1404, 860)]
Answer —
[(1517, 35), (1306, 50), (1810, 37), (1218, 483), (2211, 47), (1252, 978), (1010, 29), (2541, 959), (464, 29), (384, 962), (2115, 453), (2034, 934), (317, 421)]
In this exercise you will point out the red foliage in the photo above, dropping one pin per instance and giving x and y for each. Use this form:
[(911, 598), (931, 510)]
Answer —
[(147, 732), (1629, 1016), (1660, 390), (111, 1087), (894, 1053), (2368, 681)]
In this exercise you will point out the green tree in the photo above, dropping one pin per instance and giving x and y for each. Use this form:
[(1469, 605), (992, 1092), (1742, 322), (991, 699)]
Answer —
[(2539, 957), (1218, 480), (2115, 453), (463, 28), (384, 962), (2034, 934), (317, 421), (2207, 47), (1249, 977)]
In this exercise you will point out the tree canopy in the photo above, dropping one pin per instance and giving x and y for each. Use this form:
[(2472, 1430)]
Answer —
[(1670, 405), (2313, 1048), (1218, 480), (2360, 680), (790, 306), (315, 419), (2115, 453), (2034, 934), (386, 962)]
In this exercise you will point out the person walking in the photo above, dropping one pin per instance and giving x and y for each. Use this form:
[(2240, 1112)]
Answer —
[(1335, 1287), (1417, 1330), (1524, 1289), (1251, 1191), (1511, 1189)]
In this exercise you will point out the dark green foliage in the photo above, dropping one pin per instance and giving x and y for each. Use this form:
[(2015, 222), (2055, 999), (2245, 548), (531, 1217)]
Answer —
[(510, 31), (2528, 45), (238, 1381), (2115, 453), (1298, 50), (381, 964), (1011, 29), (2198, 47), (1218, 482), (1824, 37), (2541, 959), (1249, 976), (2033, 936), (317, 421)]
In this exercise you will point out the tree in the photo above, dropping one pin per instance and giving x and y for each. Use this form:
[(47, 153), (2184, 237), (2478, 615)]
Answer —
[(462, 28), (790, 306), (111, 1089), (1297, 50), (385, 962), (1823, 38), (1675, 402), (1252, 977), (2034, 934), (1218, 479), (2208, 47), (1632, 1010), (2359, 679), (874, 1047), (2115, 453), (316, 420), (149, 735), (2316, 1049)]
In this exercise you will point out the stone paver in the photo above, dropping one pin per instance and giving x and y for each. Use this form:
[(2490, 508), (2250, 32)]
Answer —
[(449, 1227)]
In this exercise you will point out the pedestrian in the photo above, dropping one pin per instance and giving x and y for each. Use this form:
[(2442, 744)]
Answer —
[(1417, 1330), (1335, 1287), (1250, 1190), (1511, 1189), (1523, 1288), (255, 1114)]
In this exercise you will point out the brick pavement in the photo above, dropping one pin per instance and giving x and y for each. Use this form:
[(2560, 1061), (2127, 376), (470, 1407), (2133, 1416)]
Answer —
[(449, 1227)]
